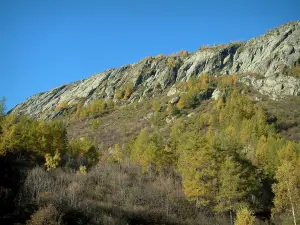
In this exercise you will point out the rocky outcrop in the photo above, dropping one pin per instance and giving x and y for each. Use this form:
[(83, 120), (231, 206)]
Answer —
[(261, 62)]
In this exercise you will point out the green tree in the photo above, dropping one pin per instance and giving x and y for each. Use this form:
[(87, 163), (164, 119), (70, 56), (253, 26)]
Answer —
[(233, 187), (149, 150)]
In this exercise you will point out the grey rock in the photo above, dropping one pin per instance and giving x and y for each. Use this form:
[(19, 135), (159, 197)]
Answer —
[(216, 94), (173, 91), (169, 120), (174, 100)]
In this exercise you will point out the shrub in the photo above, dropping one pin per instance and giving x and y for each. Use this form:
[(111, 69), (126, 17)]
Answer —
[(171, 63), (45, 216), (52, 162), (295, 72), (98, 107), (95, 124), (244, 217), (82, 170), (173, 110), (128, 90), (156, 107), (125, 91), (183, 53), (119, 94), (62, 106)]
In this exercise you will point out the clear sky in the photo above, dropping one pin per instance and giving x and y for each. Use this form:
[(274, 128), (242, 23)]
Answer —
[(47, 43)]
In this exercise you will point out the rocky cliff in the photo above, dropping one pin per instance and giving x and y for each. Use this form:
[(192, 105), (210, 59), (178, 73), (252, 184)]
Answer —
[(263, 62)]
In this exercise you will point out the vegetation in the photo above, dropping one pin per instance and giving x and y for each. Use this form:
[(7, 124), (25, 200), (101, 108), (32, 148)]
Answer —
[(95, 109), (125, 91), (245, 217), (294, 71), (224, 163)]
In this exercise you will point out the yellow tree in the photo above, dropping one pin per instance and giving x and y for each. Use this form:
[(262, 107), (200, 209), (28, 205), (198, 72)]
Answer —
[(204, 81), (128, 90), (148, 150), (287, 188), (289, 151), (197, 167)]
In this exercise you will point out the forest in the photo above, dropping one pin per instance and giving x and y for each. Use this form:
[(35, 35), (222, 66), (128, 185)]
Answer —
[(222, 161)]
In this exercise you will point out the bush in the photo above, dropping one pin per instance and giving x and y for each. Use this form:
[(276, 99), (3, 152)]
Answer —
[(244, 217), (172, 63), (183, 53), (156, 107), (52, 162), (295, 72), (62, 106), (95, 124), (125, 91), (45, 216)]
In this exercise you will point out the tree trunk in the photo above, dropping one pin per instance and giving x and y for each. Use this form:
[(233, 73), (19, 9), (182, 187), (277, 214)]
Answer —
[(231, 217), (292, 205), (293, 212)]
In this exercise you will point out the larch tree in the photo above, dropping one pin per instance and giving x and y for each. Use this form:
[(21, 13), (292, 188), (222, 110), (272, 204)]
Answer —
[(287, 189), (232, 187), (198, 169)]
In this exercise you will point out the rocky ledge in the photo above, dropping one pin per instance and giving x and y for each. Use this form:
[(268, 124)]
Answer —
[(263, 62)]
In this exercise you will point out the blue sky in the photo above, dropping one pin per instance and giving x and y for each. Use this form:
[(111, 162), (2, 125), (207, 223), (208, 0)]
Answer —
[(47, 43)]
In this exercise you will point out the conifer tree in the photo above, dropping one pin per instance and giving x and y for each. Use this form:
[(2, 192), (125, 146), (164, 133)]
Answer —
[(232, 189), (286, 190)]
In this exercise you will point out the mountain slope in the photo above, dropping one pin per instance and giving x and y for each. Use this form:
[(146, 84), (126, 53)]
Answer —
[(263, 63)]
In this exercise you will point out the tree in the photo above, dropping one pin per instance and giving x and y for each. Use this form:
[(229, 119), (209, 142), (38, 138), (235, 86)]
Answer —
[(119, 94), (128, 90), (290, 151), (116, 154), (204, 81), (198, 169), (233, 187), (287, 188), (83, 150)]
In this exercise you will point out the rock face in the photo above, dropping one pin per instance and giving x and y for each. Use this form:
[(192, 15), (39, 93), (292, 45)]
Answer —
[(261, 61)]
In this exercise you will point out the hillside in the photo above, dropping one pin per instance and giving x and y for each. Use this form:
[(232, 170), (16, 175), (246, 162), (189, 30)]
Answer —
[(210, 137)]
